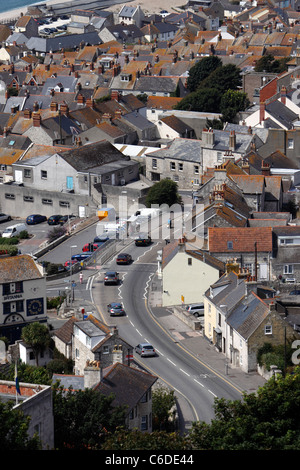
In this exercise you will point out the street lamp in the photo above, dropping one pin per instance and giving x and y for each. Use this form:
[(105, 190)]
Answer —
[(71, 266)]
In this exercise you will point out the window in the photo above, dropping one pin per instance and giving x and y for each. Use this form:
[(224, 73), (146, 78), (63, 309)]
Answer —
[(268, 329), (219, 157), (27, 173), (48, 202), (230, 245), (249, 267), (180, 166), (13, 288), (290, 143), (288, 269), (154, 164), (64, 204), (144, 423), (9, 196), (190, 261), (13, 307), (44, 174), (172, 166), (196, 170), (28, 199)]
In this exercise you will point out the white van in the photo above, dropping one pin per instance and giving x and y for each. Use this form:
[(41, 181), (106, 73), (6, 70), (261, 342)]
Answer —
[(14, 230)]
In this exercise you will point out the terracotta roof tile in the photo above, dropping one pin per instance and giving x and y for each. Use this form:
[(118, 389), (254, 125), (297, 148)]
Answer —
[(242, 238)]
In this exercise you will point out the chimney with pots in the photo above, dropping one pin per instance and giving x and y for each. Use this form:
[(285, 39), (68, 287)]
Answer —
[(92, 374), (53, 106), (232, 140), (27, 113), (36, 119), (283, 95), (265, 168)]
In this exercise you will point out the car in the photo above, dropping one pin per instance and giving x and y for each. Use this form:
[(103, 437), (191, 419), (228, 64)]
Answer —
[(111, 277), (196, 309), (90, 247), (82, 256), (64, 17), (68, 263), (4, 217), (115, 309), (62, 27), (295, 292), (143, 239), (35, 219), (124, 258), (54, 219), (65, 218), (145, 349)]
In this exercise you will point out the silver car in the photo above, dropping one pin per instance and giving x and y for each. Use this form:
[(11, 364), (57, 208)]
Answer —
[(145, 349)]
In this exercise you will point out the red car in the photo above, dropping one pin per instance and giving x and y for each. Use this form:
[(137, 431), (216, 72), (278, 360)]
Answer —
[(123, 258), (90, 247), (67, 263)]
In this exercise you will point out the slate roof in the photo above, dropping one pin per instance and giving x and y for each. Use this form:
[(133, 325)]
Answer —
[(92, 155), (65, 332), (248, 315), (242, 238), (282, 113), (68, 41), (232, 292), (18, 268), (249, 184), (156, 84), (128, 384), (180, 149)]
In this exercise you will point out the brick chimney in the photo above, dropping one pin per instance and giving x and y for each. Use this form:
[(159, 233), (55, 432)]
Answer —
[(118, 114), (90, 103), (265, 168), (232, 140), (64, 108), (27, 113), (106, 117), (36, 119), (262, 109), (115, 95), (283, 95), (80, 99), (53, 106)]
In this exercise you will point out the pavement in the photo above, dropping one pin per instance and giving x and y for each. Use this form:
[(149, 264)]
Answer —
[(195, 342)]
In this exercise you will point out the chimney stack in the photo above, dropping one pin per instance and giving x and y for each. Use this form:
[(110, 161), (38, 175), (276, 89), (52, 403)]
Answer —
[(36, 119), (283, 95), (262, 109), (92, 374), (232, 140)]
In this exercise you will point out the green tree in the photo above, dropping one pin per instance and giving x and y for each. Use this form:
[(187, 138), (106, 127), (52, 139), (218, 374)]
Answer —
[(226, 77), (267, 420), (232, 102), (163, 192), (268, 63), (202, 100), (201, 70), (37, 336), (14, 430), (163, 401), (83, 418)]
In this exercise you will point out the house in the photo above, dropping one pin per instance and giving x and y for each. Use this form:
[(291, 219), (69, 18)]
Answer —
[(91, 340), (253, 189), (65, 179), (252, 247), (27, 25), (171, 127), (131, 15), (285, 265), (130, 387), (36, 403), (198, 270), (123, 33), (181, 161), (23, 295), (239, 322)]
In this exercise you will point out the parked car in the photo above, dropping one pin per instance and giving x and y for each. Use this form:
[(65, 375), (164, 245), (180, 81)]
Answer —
[(13, 230), (90, 247), (295, 292), (111, 277), (82, 256), (115, 309), (62, 27), (4, 217), (35, 219), (65, 218), (124, 258), (143, 239), (68, 263), (145, 349), (54, 219), (196, 309)]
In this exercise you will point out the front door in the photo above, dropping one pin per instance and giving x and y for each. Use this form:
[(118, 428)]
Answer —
[(81, 211), (70, 183)]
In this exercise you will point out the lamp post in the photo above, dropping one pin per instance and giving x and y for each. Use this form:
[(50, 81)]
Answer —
[(71, 266)]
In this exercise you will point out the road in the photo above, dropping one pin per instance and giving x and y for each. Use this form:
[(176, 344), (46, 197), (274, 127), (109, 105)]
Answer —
[(195, 383)]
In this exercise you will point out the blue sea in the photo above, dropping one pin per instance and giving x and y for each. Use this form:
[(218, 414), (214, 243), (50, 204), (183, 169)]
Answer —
[(12, 4)]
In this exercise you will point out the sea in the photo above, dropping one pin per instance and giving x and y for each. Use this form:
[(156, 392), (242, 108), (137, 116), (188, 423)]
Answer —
[(12, 4)]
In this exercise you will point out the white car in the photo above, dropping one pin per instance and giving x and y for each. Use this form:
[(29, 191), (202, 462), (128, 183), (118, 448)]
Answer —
[(145, 349), (4, 217)]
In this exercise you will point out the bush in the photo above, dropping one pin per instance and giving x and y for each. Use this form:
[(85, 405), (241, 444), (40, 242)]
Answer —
[(8, 250), (24, 234), (9, 241), (56, 233)]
